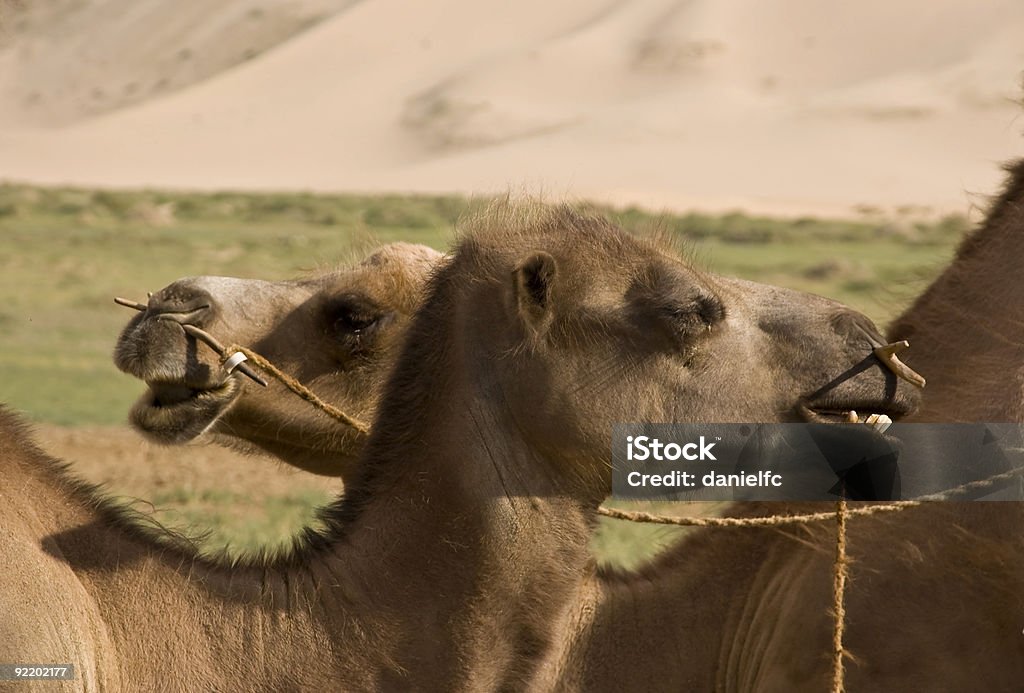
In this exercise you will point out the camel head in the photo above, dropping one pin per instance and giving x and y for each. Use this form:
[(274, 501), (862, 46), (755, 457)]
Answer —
[(593, 327), (336, 332)]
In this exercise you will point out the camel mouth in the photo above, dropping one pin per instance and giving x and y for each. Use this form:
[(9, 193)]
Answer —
[(875, 414), (175, 412), (162, 394)]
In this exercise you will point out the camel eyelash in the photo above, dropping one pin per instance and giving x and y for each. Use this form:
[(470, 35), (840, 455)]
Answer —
[(349, 317), (699, 316)]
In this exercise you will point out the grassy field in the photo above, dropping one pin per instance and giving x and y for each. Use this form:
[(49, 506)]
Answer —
[(64, 253)]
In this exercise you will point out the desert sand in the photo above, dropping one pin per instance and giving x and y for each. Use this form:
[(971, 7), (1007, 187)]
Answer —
[(786, 107)]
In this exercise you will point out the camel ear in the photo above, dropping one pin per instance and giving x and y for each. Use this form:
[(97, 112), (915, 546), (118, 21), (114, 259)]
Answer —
[(533, 279)]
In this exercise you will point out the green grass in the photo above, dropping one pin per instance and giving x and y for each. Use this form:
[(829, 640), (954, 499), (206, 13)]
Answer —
[(64, 254), (230, 522)]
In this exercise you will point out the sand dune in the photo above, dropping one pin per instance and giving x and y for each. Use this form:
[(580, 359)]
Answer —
[(792, 106), (66, 60)]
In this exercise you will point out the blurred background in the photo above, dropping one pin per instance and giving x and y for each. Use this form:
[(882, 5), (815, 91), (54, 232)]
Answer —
[(842, 149)]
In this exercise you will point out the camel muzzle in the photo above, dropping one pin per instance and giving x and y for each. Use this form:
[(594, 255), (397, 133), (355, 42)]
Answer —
[(232, 363)]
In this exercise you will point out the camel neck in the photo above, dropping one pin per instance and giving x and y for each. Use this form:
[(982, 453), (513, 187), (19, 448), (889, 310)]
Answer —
[(454, 523), (479, 535)]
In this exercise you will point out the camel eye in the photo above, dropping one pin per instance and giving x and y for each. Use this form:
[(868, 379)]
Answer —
[(710, 310), (354, 324), (352, 317)]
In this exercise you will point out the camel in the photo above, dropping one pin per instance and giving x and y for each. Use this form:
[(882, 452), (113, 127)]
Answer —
[(968, 326), (337, 331), (463, 533)]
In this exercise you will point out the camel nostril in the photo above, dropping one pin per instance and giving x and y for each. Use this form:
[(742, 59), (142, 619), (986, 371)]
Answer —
[(180, 303), (190, 317), (854, 326)]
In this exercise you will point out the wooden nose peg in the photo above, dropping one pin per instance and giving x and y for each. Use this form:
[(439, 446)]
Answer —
[(887, 355)]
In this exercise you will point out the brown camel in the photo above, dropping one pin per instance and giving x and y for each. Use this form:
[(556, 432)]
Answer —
[(968, 326), (338, 332), (464, 532), (654, 610)]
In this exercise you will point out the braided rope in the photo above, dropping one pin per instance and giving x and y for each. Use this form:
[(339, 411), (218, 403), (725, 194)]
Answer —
[(775, 520), (298, 388), (840, 574)]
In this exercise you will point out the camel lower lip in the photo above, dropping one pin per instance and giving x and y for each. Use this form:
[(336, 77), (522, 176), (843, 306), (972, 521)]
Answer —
[(174, 413)]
